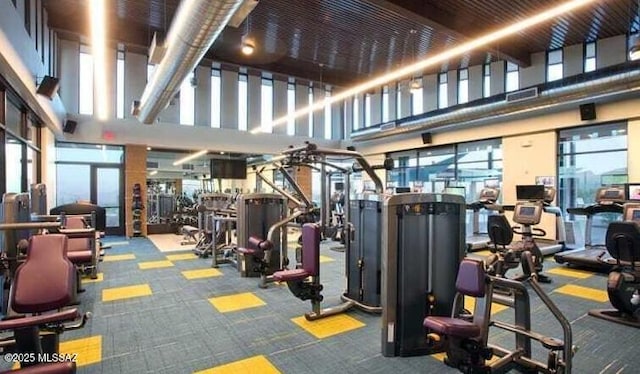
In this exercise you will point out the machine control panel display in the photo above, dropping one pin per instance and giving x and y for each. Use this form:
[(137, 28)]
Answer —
[(632, 212), (527, 213), (610, 195)]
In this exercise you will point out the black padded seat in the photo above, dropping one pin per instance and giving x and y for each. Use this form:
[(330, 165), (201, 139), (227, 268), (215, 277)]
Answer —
[(499, 230)]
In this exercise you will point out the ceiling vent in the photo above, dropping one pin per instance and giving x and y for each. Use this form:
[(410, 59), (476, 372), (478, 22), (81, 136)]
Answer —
[(152, 165), (526, 94), (157, 49)]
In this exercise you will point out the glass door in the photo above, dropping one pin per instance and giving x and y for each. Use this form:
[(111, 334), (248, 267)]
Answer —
[(106, 192)]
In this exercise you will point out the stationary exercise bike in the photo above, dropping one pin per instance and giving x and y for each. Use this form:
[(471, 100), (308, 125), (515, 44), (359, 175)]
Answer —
[(623, 285), (507, 254)]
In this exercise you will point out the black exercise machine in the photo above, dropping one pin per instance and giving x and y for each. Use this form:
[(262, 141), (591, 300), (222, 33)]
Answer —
[(506, 253), (465, 338), (486, 200), (623, 285), (595, 256)]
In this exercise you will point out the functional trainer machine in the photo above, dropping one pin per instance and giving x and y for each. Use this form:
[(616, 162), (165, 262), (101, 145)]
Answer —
[(623, 285), (423, 243), (595, 256)]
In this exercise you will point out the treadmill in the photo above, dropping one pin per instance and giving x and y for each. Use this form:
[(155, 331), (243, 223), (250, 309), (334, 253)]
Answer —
[(487, 200), (595, 256), (531, 194)]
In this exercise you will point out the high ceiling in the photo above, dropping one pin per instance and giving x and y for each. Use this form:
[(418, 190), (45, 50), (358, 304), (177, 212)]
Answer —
[(345, 41)]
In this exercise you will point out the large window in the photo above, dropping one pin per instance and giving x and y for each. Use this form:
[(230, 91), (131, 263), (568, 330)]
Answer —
[(266, 105), (463, 86), (310, 120), (242, 102), (385, 104), (13, 162), (398, 101), (187, 100), (486, 80), (554, 65), (291, 108), (120, 85), (589, 158), (467, 165), (216, 99), (150, 70), (416, 96), (443, 95), (86, 82), (327, 114), (367, 110), (512, 81), (356, 113), (589, 57)]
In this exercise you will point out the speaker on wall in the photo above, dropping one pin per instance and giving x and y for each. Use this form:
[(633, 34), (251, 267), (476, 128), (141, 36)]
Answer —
[(588, 112), (69, 126), (48, 87), (426, 138), (351, 148)]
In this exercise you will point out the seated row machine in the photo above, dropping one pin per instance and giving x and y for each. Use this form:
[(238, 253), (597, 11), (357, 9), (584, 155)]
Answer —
[(465, 338), (304, 282)]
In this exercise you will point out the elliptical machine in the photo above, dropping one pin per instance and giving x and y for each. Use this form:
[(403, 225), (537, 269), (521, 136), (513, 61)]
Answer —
[(623, 285), (507, 254)]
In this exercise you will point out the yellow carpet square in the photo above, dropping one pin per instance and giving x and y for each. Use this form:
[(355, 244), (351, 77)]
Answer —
[(470, 304), (111, 258), (183, 256), (89, 280), (256, 364), (201, 273), (236, 302), (329, 326), (155, 265), (89, 350), (584, 293), (324, 259), (572, 273), (119, 293)]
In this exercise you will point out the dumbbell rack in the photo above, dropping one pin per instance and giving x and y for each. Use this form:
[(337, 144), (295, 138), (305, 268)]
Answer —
[(137, 208)]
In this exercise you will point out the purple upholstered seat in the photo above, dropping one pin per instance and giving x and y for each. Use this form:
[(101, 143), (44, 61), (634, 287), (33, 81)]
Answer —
[(310, 256), (52, 368), (78, 249), (471, 282), (45, 280)]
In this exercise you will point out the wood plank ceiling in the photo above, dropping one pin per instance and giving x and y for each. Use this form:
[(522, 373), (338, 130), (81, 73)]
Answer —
[(345, 41)]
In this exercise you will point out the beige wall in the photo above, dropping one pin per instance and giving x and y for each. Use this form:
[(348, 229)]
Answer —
[(524, 158), (633, 155)]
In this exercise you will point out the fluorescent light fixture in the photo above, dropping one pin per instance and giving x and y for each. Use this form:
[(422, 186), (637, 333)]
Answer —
[(190, 157), (98, 46), (154, 172), (440, 58)]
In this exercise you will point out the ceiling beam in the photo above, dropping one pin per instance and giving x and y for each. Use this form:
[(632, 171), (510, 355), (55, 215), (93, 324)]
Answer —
[(461, 27)]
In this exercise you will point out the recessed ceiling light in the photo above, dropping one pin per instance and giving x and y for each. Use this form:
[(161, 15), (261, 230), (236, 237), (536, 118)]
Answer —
[(221, 153), (148, 148), (247, 48)]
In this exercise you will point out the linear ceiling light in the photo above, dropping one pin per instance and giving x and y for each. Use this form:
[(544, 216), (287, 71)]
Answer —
[(152, 173), (190, 157), (98, 45), (434, 60)]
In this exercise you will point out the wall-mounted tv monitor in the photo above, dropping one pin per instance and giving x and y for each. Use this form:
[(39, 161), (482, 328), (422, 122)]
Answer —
[(228, 169), (402, 189), (632, 191), (530, 192), (338, 186)]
